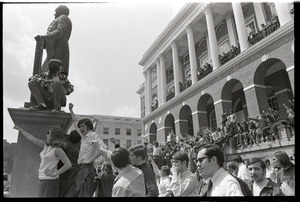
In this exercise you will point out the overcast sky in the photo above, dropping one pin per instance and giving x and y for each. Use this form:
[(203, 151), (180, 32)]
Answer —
[(106, 44)]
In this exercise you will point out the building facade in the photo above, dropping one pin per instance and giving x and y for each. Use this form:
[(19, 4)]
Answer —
[(216, 58), (126, 130)]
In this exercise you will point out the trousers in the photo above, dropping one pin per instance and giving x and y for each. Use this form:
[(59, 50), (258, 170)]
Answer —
[(55, 100)]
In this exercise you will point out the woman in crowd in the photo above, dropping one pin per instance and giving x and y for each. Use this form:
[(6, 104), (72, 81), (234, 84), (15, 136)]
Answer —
[(286, 174), (51, 154)]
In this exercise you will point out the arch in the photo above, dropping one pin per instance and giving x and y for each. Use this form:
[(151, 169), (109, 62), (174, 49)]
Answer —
[(153, 132), (233, 95), (186, 120), (169, 125), (273, 76), (205, 107)]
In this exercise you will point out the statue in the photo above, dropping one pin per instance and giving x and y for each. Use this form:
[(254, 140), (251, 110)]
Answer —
[(56, 40)]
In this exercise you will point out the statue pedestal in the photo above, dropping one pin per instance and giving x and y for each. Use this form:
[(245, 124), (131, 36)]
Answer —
[(25, 182)]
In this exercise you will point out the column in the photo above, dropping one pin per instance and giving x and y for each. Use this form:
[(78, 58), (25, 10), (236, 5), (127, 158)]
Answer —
[(192, 53), (146, 93), (208, 49), (240, 25), (214, 48), (175, 67), (163, 78), (149, 89), (260, 14), (196, 122), (283, 12), (158, 82), (231, 29)]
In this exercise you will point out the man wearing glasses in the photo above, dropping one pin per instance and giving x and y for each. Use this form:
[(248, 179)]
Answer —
[(210, 160)]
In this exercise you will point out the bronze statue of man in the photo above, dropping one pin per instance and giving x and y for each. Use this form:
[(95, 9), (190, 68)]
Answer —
[(57, 39)]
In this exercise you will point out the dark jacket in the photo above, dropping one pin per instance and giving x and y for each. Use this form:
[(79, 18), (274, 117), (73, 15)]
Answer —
[(271, 189), (150, 181)]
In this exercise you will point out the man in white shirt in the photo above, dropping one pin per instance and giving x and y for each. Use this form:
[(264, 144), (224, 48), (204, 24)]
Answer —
[(184, 182), (243, 172), (90, 150), (210, 160), (164, 181)]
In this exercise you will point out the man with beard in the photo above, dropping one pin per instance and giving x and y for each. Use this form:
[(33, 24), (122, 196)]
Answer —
[(57, 38)]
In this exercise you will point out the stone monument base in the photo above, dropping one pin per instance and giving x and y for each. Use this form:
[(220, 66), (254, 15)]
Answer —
[(24, 181)]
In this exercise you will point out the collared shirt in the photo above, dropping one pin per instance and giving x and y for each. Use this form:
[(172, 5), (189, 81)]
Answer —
[(244, 173), (129, 183), (203, 187), (163, 185), (270, 189), (225, 184), (89, 147), (184, 184), (40, 79)]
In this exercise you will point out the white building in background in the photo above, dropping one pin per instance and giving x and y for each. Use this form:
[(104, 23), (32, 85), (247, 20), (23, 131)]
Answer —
[(126, 130), (216, 57)]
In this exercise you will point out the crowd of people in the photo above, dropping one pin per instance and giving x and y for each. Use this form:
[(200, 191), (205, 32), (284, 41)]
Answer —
[(80, 165)]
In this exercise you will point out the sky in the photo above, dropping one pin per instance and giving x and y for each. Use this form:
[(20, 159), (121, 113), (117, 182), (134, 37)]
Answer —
[(107, 42)]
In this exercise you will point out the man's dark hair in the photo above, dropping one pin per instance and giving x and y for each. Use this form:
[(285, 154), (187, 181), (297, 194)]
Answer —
[(257, 160), (75, 137), (166, 169), (64, 10), (181, 156), (214, 150), (237, 158), (120, 157), (53, 66), (87, 122), (139, 150)]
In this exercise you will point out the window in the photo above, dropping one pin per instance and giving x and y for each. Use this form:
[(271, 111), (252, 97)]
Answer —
[(105, 131), (186, 58), (224, 47), (105, 141), (272, 101), (117, 131), (139, 132), (273, 9), (128, 131), (204, 60), (212, 120), (251, 26), (128, 143)]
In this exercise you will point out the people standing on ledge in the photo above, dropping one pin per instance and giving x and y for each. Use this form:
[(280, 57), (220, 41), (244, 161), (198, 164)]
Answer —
[(49, 89), (50, 156), (57, 38)]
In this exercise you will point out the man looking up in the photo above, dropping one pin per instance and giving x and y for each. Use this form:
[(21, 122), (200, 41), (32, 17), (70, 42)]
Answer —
[(210, 160), (262, 186), (138, 158)]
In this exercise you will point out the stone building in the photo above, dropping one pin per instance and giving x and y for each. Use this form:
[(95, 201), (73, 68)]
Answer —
[(214, 58), (126, 130)]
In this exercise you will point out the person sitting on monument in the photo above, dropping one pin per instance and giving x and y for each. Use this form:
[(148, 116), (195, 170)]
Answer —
[(49, 89), (51, 154)]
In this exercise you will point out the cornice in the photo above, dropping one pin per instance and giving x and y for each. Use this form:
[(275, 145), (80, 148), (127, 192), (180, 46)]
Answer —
[(168, 31)]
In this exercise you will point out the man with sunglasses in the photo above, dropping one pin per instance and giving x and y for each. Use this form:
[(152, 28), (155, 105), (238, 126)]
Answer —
[(210, 160)]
